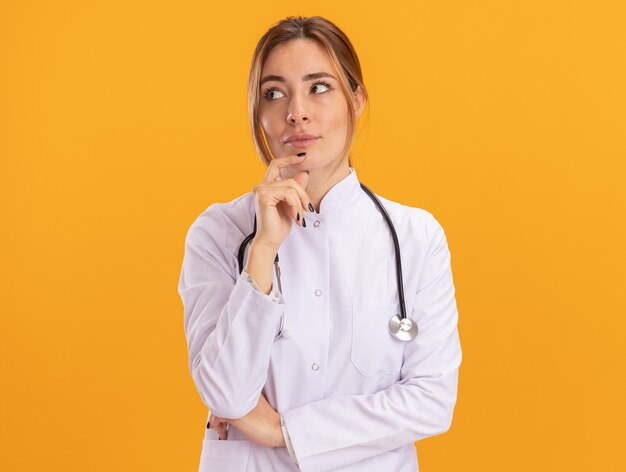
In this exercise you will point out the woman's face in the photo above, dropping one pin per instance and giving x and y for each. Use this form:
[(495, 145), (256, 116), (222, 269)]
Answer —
[(303, 95)]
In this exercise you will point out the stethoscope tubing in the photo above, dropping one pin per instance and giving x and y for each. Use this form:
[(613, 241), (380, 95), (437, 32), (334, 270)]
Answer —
[(396, 245)]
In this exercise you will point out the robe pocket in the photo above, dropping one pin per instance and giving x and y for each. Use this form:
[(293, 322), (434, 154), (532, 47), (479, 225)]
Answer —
[(374, 350), (229, 454)]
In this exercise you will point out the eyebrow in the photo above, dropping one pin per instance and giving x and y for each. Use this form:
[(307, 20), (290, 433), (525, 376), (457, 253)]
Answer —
[(313, 76)]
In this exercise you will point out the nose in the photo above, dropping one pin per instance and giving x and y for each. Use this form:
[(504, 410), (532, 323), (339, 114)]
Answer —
[(294, 118), (296, 113)]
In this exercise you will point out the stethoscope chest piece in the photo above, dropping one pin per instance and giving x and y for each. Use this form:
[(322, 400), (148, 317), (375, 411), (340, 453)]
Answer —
[(402, 328)]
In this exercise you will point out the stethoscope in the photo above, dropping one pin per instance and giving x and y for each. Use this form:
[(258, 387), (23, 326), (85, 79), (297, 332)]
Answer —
[(399, 325)]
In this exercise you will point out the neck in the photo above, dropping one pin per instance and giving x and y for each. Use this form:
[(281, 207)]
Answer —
[(321, 180)]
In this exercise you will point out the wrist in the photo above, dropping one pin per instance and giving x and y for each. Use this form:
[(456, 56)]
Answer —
[(260, 265), (262, 249), (280, 438)]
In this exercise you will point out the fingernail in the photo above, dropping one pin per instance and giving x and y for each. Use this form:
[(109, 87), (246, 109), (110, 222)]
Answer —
[(297, 216), (300, 154), (303, 222), (311, 208)]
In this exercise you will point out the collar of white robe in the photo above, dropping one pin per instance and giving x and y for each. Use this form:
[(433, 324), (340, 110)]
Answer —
[(400, 326)]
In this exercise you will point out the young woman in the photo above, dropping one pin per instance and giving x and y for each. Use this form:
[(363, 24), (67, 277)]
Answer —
[(316, 347)]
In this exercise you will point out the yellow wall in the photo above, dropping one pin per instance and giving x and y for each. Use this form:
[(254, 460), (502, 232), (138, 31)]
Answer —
[(121, 121)]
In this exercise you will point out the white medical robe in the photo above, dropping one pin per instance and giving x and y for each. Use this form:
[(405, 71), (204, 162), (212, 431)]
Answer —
[(353, 398)]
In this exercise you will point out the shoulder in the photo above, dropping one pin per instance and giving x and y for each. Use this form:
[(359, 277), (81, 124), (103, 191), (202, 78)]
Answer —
[(414, 220), (222, 222)]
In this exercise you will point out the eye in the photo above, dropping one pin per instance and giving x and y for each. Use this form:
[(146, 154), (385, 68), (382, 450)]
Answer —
[(324, 84), (267, 92)]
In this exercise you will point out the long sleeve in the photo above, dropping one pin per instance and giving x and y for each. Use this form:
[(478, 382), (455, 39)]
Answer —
[(272, 295), (230, 326), (288, 444), (340, 430)]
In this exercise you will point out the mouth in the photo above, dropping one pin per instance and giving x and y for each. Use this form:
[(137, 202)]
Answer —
[(302, 143)]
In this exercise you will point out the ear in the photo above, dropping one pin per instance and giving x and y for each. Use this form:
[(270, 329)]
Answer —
[(359, 101)]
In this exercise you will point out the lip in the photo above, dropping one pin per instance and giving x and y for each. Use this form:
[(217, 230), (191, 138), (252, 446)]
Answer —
[(302, 143), (300, 137)]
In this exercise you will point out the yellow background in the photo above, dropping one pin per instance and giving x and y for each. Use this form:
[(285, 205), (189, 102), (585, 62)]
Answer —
[(121, 121)]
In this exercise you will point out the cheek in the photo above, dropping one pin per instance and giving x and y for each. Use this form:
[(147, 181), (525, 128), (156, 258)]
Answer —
[(339, 118), (269, 123), (338, 124)]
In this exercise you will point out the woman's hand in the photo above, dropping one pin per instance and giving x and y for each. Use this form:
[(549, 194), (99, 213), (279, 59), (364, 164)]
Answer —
[(261, 425), (278, 203)]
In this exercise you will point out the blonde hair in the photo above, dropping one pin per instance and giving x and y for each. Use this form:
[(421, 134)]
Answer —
[(342, 56)]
